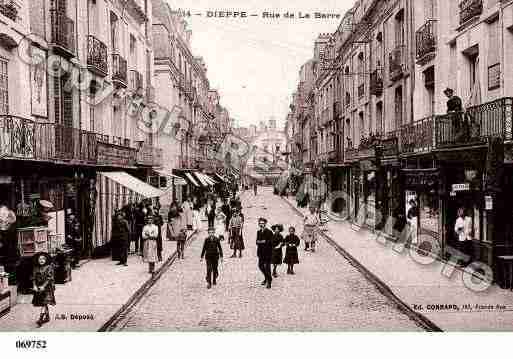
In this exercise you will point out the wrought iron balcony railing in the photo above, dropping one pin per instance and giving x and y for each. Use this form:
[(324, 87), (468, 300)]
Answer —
[(418, 136), (119, 70), (426, 39), (397, 62), (470, 9), (492, 119), (63, 32), (97, 56), (376, 82), (23, 138), (9, 9), (117, 153)]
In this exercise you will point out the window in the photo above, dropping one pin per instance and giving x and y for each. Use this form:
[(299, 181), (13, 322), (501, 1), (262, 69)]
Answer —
[(379, 118), (398, 107), (114, 32), (4, 87), (399, 28), (133, 49)]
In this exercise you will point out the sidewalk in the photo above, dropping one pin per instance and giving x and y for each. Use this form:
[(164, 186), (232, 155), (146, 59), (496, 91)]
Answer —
[(424, 285), (99, 288)]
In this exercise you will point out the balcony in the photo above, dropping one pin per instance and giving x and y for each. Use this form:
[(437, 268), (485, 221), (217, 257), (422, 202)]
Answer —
[(9, 9), (119, 70), (63, 33), (135, 81), (476, 124), (116, 154), (25, 139), (376, 83), (97, 56), (426, 42), (418, 137), (149, 156), (470, 9), (351, 154), (397, 62)]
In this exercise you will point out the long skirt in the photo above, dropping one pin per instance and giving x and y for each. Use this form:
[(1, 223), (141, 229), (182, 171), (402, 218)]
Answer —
[(236, 240), (150, 251), (291, 256), (277, 257), (45, 297)]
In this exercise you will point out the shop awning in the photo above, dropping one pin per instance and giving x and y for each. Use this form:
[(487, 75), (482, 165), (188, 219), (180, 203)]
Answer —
[(176, 179), (201, 179), (221, 178), (133, 184), (191, 179), (209, 179)]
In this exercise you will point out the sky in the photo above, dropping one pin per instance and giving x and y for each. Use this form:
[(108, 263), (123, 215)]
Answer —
[(254, 62)]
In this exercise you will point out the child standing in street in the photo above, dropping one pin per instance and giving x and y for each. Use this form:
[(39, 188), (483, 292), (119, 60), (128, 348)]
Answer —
[(291, 243), (44, 286), (212, 252)]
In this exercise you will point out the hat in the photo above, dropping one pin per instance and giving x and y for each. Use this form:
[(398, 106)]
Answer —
[(262, 219), (448, 89), (277, 226), (36, 256)]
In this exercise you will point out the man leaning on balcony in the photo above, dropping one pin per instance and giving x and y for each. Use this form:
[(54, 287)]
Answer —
[(455, 110)]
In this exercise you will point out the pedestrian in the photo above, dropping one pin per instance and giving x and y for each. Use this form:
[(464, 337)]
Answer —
[(121, 237), (264, 243), (152, 251), (220, 224), (177, 228), (310, 229), (139, 224), (212, 252), (277, 257), (291, 243), (236, 240), (187, 211), (43, 286), (412, 219), (73, 238), (196, 207), (210, 212), (227, 212), (255, 188), (159, 221)]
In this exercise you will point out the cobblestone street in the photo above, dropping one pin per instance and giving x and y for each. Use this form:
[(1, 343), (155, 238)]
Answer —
[(327, 293)]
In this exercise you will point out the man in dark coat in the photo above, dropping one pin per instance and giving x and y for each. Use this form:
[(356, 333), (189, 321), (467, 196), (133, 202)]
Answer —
[(212, 251), (73, 238), (227, 211), (264, 243), (121, 236)]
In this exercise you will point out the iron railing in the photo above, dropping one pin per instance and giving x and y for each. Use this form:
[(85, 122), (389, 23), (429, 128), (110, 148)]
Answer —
[(397, 63), (26, 139), (97, 55), (470, 9), (63, 31), (426, 39), (390, 144), (473, 126), (376, 83), (418, 136), (8, 9), (119, 69)]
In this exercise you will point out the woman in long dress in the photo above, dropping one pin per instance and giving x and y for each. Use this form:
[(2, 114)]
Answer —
[(44, 286), (187, 211), (277, 256), (291, 242), (220, 224), (152, 248)]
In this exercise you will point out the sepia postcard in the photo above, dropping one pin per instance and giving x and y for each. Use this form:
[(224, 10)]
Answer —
[(258, 166)]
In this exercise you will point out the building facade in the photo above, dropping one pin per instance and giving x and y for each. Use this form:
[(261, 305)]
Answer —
[(381, 125)]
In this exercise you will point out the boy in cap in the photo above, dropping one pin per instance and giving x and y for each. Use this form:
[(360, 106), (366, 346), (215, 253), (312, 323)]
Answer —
[(212, 252), (264, 243)]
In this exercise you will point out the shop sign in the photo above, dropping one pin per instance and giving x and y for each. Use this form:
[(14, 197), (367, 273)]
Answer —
[(460, 187), (488, 203)]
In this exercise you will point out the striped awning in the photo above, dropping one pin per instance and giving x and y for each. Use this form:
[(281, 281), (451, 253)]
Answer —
[(191, 179), (177, 180)]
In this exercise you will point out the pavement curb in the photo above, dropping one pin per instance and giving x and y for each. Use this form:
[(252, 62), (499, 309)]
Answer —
[(112, 323), (382, 287)]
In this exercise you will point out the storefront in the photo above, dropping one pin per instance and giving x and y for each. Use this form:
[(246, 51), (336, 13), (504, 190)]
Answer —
[(116, 190)]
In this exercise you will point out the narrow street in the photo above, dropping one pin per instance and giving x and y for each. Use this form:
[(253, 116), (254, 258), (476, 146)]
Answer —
[(326, 294)]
